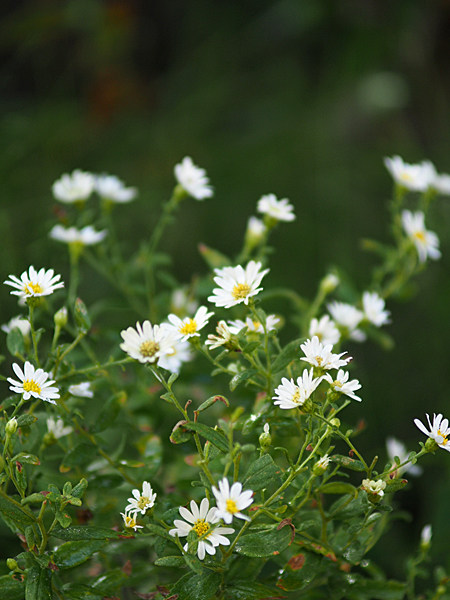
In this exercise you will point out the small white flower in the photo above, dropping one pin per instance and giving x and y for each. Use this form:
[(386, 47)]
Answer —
[(253, 326), (373, 487), (87, 236), (280, 210), (441, 183), (439, 431), (321, 465), (237, 284), (348, 316), (200, 520), (35, 283), (230, 501), (141, 502), (75, 187), (416, 177), (33, 383), (255, 230), (182, 304), (425, 536), (290, 395), (147, 343), (130, 522), (113, 189), (223, 337), (321, 356), (186, 328), (82, 390), (325, 329), (57, 428), (193, 179), (17, 323), (373, 308), (426, 242), (396, 448), (181, 353), (343, 386)]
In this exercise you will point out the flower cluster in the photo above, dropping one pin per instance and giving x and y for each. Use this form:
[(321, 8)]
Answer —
[(419, 177), (79, 186), (139, 503)]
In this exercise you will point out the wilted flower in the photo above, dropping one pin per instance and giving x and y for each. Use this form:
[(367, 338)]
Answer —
[(439, 432), (321, 356), (186, 328), (341, 384), (35, 283), (230, 501), (237, 284), (147, 343), (17, 323), (417, 177), (57, 429), (141, 502), (75, 187), (110, 187), (280, 210), (33, 383), (193, 179), (222, 339), (290, 395), (325, 329), (87, 236), (426, 242)]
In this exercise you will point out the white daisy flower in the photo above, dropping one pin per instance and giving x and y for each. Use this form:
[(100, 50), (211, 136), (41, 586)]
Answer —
[(17, 323), (187, 327), (441, 183), (343, 386), (193, 179), (35, 283), (237, 284), (75, 187), (223, 337), (373, 308), (348, 316), (417, 177), (141, 502), (130, 522), (33, 383), (82, 390), (321, 356), (325, 329), (147, 343), (87, 236), (253, 326), (426, 242), (230, 501), (110, 187), (57, 429), (200, 520), (396, 448), (290, 395), (280, 210), (181, 353), (439, 431), (374, 488)]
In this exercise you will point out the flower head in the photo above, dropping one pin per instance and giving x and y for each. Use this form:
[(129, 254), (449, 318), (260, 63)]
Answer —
[(17, 323), (82, 390), (110, 187), (279, 210), (181, 353), (441, 183), (291, 395), (348, 317), (223, 338), (425, 537), (325, 329), (373, 308), (374, 488), (129, 520), (87, 236), (141, 502), (253, 326), (35, 283), (426, 242), (416, 177), (321, 465), (147, 343), (202, 521), (186, 328), (343, 386), (57, 429), (230, 501), (193, 179), (75, 187), (396, 448), (33, 383), (321, 356), (439, 432), (255, 231), (237, 284)]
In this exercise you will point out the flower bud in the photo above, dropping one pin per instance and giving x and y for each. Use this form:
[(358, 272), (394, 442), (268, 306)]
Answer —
[(374, 489), (11, 426), (265, 439), (12, 564), (425, 538), (60, 317), (321, 465), (431, 445), (329, 283)]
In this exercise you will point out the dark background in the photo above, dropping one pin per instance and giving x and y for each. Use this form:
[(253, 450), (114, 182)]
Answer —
[(302, 98)]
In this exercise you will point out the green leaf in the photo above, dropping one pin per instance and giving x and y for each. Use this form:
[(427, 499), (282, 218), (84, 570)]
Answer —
[(348, 463), (38, 584), (29, 537), (63, 519), (11, 589), (107, 583), (338, 487), (108, 414), (241, 378), (393, 485), (81, 315), (24, 420), (261, 474), (268, 542), (193, 563), (15, 342), (13, 511), (79, 489), (289, 353), (212, 435), (33, 499), (207, 403), (79, 455), (85, 532), (171, 561), (342, 509), (159, 531), (197, 587), (250, 347), (179, 434), (251, 590), (78, 591), (299, 571), (369, 589), (24, 457), (72, 554)]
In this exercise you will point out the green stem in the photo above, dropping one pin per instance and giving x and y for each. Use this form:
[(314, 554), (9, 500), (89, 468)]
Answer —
[(33, 334)]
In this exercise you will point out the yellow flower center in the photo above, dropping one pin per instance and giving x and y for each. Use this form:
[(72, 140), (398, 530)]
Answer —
[(319, 360), (231, 506), (256, 324), (189, 327), (149, 349), (406, 176), (143, 501), (31, 386), (240, 291), (419, 235), (201, 527), (445, 440), (130, 521), (33, 288), (296, 396)]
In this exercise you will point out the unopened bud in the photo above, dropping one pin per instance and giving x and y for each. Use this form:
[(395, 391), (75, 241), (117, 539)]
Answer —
[(265, 439), (11, 426), (431, 445), (60, 317), (425, 538), (329, 283), (11, 564)]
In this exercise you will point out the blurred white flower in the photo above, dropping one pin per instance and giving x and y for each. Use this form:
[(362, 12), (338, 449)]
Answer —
[(343, 386), (396, 448), (230, 501), (253, 326), (186, 328), (87, 236), (374, 488), (147, 344), (75, 187), (19, 323), (141, 502), (321, 356), (110, 187), (280, 210), (181, 353), (425, 536), (57, 428), (182, 304), (373, 308), (441, 183), (35, 283), (426, 242), (33, 383), (348, 316), (193, 179), (237, 284), (255, 231), (290, 395), (439, 431), (82, 390), (325, 329), (417, 177)]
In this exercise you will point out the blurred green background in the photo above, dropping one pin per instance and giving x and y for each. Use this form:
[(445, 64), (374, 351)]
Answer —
[(302, 98)]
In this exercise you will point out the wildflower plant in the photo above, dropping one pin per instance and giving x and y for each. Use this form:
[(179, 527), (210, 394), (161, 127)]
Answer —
[(123, 466)]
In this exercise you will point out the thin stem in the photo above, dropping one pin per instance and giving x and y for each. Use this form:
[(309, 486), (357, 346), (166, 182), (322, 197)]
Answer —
[(33, 334)]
